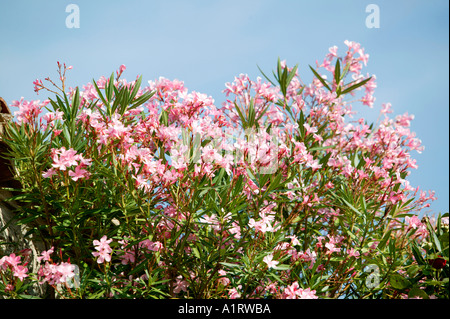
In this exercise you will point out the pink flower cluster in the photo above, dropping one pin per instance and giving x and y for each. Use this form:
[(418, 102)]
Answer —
[(64, 159), (13, 263), (131, 254), (103, 250), (50, 272), (295, 292), (54, 273), (28, 110)]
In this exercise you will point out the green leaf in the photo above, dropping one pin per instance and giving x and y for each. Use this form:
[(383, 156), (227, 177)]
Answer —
[(273, 184), (251, 113), (417, 292), (384, 240), (320, 78), (267, 78), (135, 90), (337, 72), (142, 99), (75, 103), (351, 207), (109, 88), (99, 92), (355, 86), (444, 240), (244, 122), (436, 282), (282, 267), (291, 75), (195, 252), (164, 118), (231, 265), (320, 148), (398, 282), (279, 70)]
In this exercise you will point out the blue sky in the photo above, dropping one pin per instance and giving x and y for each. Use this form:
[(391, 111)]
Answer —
[(207, 43)]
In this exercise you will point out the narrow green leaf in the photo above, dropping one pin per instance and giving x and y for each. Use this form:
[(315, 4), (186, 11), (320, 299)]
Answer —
[(267, 78), (384, 240), (320, 78), (244, 122), (417, 254), (75, 103), (291, 75), (99, 92), (355, 86), (231, 265), (109, 87), (337, 72), (351, 206), (282, 267), (142, 99), (135, 90), (251, 113), (279, 70), (320, 148)]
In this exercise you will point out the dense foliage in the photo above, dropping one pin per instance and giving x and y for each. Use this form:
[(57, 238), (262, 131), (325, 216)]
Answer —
[(282, 192)]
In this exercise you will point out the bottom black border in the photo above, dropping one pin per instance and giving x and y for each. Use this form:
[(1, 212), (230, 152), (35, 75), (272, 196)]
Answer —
[(213, 308)]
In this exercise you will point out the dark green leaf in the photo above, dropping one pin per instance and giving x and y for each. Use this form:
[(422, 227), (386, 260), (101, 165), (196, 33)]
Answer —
[(320, 78), (355, 86), (337, 72), (265, 76)]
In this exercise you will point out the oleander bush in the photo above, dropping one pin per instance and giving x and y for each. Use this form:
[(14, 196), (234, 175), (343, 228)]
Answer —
[(281, 192)]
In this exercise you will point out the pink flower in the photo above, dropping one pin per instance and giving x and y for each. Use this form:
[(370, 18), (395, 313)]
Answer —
[(102, 255), (236, 230), (180, 284), (331, 248), (233, 293), (290, 292), (121, 69), (66, 270), (306, 294), (65, 159), (333, 51), (308, 256), (49, 173), (28, 111), (13, 260), (20, 272), (103, 244), (353, 253), (295, 292), (223, 279), (45, 255), (386, 108), (270, 263), (413, 221), (309, 129), (79, 173), (38, 85), (103, 249)]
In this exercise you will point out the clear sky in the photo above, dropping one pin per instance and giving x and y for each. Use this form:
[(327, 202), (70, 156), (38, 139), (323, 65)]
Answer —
[(207, 43)]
